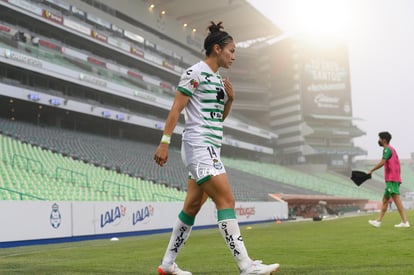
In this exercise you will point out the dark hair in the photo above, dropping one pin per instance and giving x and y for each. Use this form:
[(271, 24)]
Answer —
[(385, 135), (216, 36)]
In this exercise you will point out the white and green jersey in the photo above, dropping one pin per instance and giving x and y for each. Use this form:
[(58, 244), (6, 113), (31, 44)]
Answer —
[(204, 111)]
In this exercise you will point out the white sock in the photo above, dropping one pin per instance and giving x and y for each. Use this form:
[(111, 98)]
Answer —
[(179, 236), (231, 233)]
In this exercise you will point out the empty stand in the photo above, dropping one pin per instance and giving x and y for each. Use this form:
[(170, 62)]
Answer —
[(62, 177), (91, 167), (331, 186), (106, 165)]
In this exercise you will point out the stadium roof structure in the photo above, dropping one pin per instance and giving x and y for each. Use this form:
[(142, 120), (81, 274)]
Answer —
[(240, 18)]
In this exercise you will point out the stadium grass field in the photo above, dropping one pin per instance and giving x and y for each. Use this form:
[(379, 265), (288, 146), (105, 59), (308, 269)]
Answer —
[(338, 246)]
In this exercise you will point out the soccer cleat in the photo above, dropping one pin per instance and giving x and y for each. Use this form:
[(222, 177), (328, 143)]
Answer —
[(374, 223), (403, 224), (257, 268), (172, 270)]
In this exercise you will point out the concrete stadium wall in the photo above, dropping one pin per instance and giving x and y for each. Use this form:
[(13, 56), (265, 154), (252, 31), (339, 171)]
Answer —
[(34, 220)]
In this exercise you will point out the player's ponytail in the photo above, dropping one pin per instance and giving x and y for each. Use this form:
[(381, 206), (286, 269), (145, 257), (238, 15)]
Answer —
[(216, 36)]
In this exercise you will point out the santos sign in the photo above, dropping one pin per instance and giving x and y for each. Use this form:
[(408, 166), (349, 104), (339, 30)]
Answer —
[(325, 83)]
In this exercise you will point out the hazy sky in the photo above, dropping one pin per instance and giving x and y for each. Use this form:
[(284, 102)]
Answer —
[(380, 38)]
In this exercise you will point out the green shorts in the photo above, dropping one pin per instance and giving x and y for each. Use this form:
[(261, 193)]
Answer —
[(391, 188)]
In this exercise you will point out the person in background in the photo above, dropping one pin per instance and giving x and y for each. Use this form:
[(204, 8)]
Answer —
[(207, 99), (392, 175)]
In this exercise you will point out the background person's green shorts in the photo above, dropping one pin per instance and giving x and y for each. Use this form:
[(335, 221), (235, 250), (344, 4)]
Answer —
[(391, 188)]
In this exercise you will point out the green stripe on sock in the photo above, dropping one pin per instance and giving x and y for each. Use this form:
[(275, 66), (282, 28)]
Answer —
[(185, 218), (226, 214)]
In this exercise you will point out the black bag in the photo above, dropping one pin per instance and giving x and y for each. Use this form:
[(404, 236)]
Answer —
[(359, 177)]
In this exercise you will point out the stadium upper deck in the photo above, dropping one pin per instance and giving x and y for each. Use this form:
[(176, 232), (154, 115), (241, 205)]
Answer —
[(101, 73)]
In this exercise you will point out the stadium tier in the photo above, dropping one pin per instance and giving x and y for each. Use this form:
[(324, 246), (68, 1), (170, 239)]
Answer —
[(73, 156), (134, 83), (32, 172), (105, 169), (333, 185)]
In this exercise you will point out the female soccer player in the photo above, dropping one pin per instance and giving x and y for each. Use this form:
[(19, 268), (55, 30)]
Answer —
[(207, 99)]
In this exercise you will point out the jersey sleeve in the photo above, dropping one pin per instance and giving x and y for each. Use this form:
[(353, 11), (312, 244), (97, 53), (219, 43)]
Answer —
[(387, 153), (188, 82)]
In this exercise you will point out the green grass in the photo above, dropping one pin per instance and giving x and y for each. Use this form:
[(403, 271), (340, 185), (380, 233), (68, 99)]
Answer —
[(338, 246)]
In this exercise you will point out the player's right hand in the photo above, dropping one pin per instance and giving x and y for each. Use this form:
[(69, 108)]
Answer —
[(161, 154)]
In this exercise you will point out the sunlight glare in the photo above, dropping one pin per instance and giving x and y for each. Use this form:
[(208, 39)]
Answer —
[(322, 17)]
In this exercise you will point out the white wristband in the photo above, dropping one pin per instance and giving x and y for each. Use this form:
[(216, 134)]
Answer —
[(166, 139)]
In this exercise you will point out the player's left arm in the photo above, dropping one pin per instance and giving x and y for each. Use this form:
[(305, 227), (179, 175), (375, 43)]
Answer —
[(378, 166), (386, 155), (230, 97)]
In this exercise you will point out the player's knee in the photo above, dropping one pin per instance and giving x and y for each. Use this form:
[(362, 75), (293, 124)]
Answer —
[(225, 202), (192, 208)]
